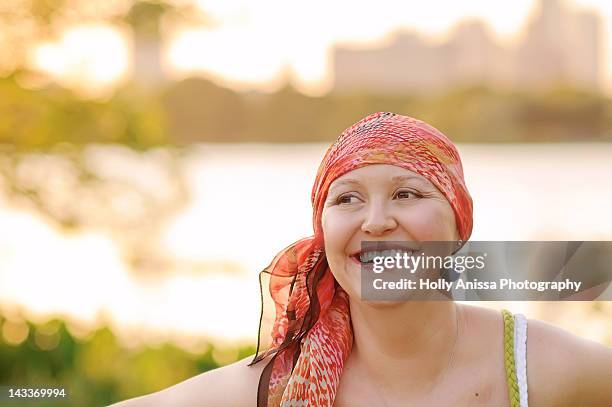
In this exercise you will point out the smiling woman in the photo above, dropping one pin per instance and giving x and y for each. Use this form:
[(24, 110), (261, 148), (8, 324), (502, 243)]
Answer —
[(391, 178), (382, 201)]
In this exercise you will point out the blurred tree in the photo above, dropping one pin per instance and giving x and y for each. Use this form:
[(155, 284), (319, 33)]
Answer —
[(28, 23), (199, 110), (24, 23), (97, 369), (566, 114)]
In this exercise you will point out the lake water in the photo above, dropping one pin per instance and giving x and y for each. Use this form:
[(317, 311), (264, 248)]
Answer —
[(248, 201)]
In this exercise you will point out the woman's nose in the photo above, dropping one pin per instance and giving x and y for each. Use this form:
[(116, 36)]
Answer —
[(378, 221)]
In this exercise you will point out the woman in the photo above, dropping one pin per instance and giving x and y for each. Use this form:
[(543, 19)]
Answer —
[(392, 178)]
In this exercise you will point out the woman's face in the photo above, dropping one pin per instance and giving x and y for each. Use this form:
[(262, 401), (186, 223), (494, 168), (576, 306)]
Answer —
[(380, 203)]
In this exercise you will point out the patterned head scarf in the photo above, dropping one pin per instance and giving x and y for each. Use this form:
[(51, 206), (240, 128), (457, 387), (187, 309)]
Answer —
[(311, 335)]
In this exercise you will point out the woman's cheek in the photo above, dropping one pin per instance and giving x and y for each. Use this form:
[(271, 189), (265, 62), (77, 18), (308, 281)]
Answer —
[(431, 222), (442, 221), (335, 225), (330, 233), (336, 234)]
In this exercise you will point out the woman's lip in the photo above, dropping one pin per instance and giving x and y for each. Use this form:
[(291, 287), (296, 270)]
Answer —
[(355, 259), (357, 255), (363, 266), (408, 246)]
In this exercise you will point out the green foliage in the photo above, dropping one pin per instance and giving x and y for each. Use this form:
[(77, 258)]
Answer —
[(196, 110), (97, 370), (42, 119)]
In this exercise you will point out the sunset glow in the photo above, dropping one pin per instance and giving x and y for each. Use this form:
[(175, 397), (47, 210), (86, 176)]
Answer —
[(257, 45), (92, 55)]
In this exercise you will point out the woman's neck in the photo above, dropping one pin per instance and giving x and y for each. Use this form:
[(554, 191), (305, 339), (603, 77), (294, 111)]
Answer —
[(405, 345)]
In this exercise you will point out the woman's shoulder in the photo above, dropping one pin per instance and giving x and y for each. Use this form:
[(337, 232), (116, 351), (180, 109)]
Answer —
[(562, 368), (232, 385), (565, 369)]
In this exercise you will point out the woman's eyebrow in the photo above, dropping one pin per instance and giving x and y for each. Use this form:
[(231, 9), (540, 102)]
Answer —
[(398, 179), (344, 182), (401, 178)]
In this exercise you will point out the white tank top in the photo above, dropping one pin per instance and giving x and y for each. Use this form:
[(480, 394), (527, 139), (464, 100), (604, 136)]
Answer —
[(520, 356)]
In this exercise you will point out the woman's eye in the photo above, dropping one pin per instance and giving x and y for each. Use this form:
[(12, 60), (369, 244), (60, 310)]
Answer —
[(347, 199), (406, 195)]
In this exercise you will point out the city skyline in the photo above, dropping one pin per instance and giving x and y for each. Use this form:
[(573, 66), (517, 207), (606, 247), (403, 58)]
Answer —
[(300, 55), (558, 46)]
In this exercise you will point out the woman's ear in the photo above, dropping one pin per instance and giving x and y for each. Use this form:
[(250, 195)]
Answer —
[(457, 242)]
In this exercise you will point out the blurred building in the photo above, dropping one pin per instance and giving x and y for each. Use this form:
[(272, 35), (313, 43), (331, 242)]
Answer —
[(559, 45), (407, 63), (471, 56), (148, 69), (144, 17)]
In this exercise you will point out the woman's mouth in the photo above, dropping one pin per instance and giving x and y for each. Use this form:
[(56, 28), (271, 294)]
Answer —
[(367, 258)]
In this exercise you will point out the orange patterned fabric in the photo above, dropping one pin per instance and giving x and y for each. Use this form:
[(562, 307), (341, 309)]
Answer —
[(311, 334)]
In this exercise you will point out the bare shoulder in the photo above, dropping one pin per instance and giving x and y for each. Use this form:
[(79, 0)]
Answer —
[(562, 369), (565, 369), (231, 385)]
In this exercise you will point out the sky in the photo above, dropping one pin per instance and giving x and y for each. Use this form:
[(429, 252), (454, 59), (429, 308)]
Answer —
[(257, 44)]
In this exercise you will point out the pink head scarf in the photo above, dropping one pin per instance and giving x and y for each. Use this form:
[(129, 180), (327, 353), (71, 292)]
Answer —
[(311, 335)]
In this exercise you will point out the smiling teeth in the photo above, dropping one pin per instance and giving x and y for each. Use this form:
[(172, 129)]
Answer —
[(367, 257)]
